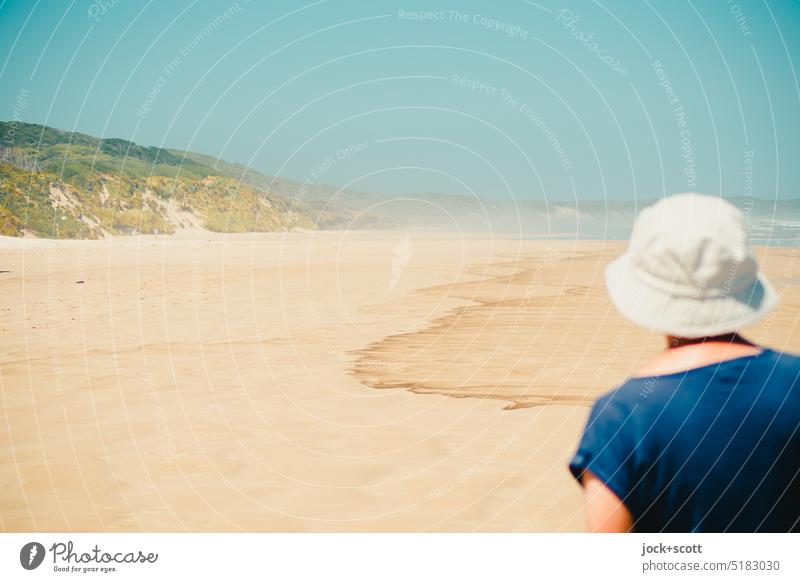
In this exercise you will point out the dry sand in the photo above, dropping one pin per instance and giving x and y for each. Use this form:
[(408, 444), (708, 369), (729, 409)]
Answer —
[(224, 383)]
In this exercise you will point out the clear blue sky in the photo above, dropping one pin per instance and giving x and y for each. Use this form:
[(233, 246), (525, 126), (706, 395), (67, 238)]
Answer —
[(573, 101)]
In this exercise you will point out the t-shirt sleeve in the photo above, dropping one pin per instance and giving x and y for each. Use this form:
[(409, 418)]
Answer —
[(608, 448)]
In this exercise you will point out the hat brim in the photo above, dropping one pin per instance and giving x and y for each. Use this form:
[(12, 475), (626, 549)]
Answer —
[(680, 316)]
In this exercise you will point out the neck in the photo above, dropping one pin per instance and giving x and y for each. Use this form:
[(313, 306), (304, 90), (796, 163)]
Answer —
[(728, 338), (686, 353)]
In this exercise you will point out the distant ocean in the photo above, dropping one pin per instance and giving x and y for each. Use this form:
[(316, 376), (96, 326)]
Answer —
[(761, 232), (771, 242)]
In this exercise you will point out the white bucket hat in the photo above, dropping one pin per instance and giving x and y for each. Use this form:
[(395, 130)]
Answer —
[(688, 271)]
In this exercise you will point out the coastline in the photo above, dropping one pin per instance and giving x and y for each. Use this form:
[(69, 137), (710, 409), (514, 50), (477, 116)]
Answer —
[(208, 384)]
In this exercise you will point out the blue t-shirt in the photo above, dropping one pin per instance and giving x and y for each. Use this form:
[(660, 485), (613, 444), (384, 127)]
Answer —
[(711, 449)]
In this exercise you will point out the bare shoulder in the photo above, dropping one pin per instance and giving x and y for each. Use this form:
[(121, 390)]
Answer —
[(696, 356)]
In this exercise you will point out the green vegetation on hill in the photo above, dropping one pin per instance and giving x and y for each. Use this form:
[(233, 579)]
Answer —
[(26, 205), (58, 184)]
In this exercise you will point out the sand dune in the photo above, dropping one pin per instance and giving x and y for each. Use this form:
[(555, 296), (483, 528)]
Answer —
[(225, 383)]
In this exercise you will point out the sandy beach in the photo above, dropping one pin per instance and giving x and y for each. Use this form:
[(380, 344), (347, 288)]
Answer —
[(317, 381)]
